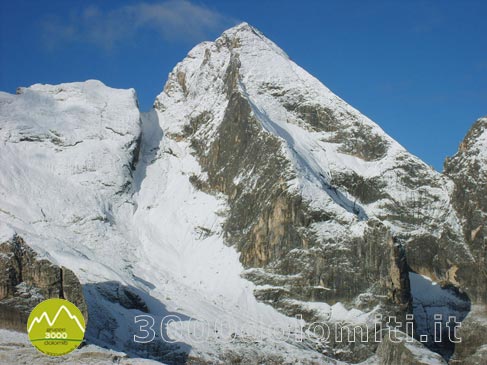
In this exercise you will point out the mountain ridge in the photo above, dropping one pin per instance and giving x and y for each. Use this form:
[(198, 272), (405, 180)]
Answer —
[(247, 166)]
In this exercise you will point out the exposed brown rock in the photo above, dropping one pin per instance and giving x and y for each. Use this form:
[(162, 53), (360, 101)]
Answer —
[(30, 280)]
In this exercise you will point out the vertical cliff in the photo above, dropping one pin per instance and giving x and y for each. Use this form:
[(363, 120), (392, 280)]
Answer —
[(27, 280)]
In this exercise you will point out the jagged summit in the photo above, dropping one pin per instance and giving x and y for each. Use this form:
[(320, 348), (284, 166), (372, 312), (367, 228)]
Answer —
[(474, 146), (306, 177), (323, 136), (244, 35), (243, 31), (468, 169), (240, 28)]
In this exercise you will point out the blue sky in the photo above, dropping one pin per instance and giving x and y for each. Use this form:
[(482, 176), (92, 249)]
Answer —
[(417, 68)]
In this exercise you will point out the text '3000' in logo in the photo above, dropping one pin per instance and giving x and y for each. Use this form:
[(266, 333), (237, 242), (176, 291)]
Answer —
[(56, 327)]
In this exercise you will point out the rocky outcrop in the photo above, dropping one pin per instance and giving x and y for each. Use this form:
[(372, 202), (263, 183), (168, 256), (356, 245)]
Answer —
[(264, 223), (274, 227), (472, 339), (468, 169), (476, 358), (29, 280), (117, 293), (399, 349), (323, 206), (376, 265)]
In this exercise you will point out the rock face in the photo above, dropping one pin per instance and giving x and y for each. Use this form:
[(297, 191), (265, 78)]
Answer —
[(28, 280), (315, 189), (319, 197), (273, 227), (473, 343), (399, 349), (468, 169)]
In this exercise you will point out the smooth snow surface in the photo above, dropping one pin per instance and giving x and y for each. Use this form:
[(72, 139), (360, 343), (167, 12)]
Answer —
[(6, 232)]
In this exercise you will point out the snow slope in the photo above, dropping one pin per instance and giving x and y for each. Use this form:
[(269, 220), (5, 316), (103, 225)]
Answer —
[(75, 187), (66, 154)]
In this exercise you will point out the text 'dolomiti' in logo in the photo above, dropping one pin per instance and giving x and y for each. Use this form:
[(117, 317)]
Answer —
[(56, 327)]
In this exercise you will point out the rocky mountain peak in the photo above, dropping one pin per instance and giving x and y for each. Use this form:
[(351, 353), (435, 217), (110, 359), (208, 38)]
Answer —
[(250, 192), (241, 30), (240, 27), (247, 39), (468, 169), (306, 177), (472, 152)]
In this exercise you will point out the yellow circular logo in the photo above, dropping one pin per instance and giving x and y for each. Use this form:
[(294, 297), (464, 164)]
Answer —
[(56, 327)]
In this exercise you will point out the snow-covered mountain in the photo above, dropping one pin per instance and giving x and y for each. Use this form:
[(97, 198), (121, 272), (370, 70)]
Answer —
[(248, 195)]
